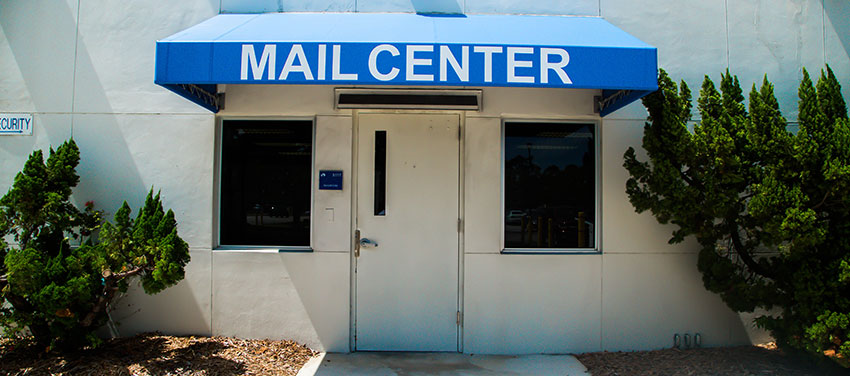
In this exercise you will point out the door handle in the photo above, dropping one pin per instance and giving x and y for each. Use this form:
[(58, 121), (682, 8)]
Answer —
[(364, 242)]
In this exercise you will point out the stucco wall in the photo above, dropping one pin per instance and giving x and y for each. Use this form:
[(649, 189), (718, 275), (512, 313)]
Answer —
[(750, 37), (84, 69), (637, 294)]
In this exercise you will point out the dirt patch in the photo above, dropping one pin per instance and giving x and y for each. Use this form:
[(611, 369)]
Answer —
[(727, 361), (154, 354)]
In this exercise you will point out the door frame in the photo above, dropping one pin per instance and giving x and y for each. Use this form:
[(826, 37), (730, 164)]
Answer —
[(355, 140)]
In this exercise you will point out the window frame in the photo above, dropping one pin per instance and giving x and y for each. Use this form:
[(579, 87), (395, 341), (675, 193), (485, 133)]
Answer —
[(597, 231), (217, 196)]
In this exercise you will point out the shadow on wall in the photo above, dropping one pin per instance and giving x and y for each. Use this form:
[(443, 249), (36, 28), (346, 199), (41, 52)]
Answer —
[(44, 58), (298, 296), (182, 309), (437, 6), (108, 171), (837, 11)]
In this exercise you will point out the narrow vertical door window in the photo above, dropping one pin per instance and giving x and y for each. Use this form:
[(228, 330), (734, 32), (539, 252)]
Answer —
[(380, 173)]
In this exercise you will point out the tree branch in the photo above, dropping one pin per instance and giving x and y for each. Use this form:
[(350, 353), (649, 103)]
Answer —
[(822, 202), (128, 273), (110, 287), (687, 179), (747, 258), (19, 302), (37, 327)]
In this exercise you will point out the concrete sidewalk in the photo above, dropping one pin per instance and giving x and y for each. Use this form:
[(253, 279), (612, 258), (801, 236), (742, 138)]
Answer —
[(413, 364)]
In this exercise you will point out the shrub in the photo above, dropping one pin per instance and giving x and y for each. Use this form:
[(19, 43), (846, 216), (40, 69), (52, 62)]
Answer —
[(770, 208), (61, 293)]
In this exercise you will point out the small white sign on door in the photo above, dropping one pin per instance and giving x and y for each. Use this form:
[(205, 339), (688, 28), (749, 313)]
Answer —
[(15, 124)]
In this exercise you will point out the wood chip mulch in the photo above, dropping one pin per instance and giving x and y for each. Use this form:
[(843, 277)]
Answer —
[(155, 354), (726, 361)]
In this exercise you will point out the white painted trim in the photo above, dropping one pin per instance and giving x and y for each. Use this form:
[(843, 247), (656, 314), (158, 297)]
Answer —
[(259, 249), (461, 215), (355, 150)]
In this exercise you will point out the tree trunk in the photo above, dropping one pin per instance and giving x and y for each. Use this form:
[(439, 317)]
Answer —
[(110, 287), (39, 328)]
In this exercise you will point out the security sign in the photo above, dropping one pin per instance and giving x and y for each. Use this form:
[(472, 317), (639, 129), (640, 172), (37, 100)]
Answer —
[(15, 124)]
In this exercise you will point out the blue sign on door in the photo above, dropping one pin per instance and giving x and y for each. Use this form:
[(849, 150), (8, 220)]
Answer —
[(330, 179)]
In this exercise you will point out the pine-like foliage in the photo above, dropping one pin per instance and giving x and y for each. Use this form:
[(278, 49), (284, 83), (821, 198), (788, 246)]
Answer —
[(770, 208), (61, 293)]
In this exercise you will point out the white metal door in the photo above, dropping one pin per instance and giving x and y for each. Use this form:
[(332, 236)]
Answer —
[(407, 284)]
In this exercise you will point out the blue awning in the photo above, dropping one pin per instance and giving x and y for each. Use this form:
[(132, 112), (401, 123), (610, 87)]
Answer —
[(407, 50)]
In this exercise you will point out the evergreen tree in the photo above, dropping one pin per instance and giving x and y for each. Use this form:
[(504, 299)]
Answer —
[(61, 293), (770, 208)]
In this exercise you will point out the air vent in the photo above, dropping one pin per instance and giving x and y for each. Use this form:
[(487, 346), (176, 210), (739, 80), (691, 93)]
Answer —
[(409, 99)]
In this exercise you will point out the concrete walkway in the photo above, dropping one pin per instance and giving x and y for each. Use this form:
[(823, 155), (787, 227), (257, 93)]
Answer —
[(414, 364)]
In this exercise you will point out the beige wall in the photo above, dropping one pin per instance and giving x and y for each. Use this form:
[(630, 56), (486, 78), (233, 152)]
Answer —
[(636, 294)]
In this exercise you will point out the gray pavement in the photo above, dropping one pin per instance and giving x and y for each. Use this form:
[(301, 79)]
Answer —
[(414, 364)]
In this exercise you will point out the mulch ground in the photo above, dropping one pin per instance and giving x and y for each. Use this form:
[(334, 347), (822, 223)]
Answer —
[(154, 354), (726, 361)]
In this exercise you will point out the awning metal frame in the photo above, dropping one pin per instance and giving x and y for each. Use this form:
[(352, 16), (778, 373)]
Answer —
[(206, 96), (613, 100)]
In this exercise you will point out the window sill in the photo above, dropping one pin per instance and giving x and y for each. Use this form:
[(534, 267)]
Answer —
[(551, 251), (261, 249)]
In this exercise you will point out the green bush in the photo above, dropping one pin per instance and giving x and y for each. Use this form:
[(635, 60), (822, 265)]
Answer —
[(59, 293), (770, 208)]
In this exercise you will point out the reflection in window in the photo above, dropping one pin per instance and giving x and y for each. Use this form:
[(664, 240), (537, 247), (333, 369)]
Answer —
[(265, 182), (550, 185)]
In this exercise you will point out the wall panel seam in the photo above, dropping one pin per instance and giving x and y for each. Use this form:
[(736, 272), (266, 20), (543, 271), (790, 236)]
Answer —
[(74, 68), (123, 113), (823, 28), (726, 21)]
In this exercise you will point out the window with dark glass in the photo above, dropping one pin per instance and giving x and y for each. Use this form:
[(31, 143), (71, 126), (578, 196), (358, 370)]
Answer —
[(265, 182), (550, 185)]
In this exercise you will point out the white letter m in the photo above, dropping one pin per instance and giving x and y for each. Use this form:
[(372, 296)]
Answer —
[(266, 60)]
